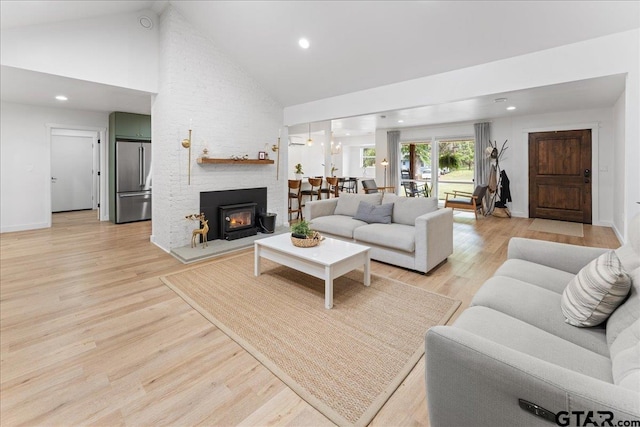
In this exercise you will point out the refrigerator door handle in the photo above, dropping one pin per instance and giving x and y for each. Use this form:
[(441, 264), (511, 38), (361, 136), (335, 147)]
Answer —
[(141, 165), (146, 193)]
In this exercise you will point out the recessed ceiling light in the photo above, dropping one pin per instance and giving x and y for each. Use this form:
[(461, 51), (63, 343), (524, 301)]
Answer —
[(145, 22), (348, 134), (61, 98), (500, 100), (511, 108), (304, 43), (400, 121)]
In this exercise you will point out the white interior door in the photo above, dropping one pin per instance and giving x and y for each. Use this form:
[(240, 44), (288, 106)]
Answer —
[(71, 173)]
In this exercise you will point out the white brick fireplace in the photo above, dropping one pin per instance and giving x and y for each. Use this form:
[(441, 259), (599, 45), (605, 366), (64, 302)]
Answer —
[(230, 115)]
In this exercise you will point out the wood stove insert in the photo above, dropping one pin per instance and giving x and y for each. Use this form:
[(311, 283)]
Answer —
[(210, 202), (238, 221)]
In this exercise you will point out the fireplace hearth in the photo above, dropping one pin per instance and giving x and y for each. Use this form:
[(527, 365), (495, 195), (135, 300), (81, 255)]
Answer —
[(238, 221), (211, 201)]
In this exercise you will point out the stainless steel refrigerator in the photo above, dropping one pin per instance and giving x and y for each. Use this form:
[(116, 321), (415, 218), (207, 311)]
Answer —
[(133, 181)]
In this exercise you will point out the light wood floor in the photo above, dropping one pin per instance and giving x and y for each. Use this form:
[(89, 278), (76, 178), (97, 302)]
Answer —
[(89, 334)]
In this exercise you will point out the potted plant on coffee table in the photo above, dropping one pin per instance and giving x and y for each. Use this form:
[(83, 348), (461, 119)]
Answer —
[(303, 236)]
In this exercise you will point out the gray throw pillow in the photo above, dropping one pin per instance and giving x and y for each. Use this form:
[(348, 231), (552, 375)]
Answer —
[(348, 203), (595, 292), (370, 214)]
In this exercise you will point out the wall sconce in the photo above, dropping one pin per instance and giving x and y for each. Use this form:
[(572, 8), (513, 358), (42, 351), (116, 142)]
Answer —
[(186, 143), (276, 149)]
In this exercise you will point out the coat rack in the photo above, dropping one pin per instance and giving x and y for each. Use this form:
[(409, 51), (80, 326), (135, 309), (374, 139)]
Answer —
[(494, 155)]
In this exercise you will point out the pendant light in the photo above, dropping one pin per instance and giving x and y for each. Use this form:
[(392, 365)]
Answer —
[(309, 141)]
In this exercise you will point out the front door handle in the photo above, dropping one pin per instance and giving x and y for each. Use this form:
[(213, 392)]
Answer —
[(587, 173)]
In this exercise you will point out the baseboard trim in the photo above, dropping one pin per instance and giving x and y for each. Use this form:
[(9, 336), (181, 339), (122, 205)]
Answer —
[(617, 233), (153, 240), (24, 227)]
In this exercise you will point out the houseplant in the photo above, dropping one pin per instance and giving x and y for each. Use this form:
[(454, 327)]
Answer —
[(449, 160), (303, 236), (301, 230), (298, 171)]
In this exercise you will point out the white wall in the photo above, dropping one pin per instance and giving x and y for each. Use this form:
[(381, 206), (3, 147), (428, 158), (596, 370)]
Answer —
[(310, 157), (351, 146), (614, 54), (603, 56), (114, 50), (316, 160), (619, 185), (516, 159), (25, 156), (231, 115)]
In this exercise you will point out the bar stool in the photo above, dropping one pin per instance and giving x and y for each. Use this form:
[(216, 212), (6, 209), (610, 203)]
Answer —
[(295, 185), (314, 190), (331, 188)]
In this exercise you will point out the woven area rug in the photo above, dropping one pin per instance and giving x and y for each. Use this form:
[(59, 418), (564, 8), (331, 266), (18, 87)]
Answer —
[(347, 361), (557, 227)]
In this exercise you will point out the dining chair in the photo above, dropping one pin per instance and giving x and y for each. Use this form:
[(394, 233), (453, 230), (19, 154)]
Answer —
[(331, 188), (314, 190), (295, 196)]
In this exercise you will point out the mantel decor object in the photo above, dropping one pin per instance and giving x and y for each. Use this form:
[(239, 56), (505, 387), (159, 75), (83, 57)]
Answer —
[(199, 231)]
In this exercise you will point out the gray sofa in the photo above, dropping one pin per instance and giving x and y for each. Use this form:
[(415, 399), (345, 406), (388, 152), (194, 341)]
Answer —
[(419, 237), (513, 343)]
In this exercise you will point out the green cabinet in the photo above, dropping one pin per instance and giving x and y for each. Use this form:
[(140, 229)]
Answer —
[(130, 125)]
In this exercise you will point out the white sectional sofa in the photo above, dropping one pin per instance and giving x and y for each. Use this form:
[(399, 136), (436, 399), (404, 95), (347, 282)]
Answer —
[(511, 359), (418, 237)]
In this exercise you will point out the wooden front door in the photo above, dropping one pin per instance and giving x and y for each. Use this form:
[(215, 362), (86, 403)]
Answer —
[(560, 175)]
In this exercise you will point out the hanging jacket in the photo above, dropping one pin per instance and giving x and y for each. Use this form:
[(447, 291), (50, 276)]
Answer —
[(505, 191)]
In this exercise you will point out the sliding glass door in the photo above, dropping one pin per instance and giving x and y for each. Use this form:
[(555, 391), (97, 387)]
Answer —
[(415, 167), (447, 165), (456, 166)]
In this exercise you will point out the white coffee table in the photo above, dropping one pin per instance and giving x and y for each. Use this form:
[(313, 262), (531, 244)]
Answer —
[(330, 259)]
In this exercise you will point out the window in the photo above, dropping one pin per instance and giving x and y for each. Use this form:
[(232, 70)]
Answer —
[(368, 156), (456, 164), (415, 161)]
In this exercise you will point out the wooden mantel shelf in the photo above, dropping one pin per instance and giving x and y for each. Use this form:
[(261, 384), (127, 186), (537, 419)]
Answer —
[(209, 160)]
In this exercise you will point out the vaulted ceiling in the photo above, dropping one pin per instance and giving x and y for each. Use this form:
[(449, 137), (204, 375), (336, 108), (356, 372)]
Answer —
[(356, 45)]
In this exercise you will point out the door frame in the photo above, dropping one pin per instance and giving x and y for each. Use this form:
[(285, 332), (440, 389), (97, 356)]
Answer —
[(95, 157), (595, 170), (103, 210)]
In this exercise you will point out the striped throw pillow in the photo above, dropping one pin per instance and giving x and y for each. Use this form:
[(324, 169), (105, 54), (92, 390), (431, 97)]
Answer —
[(595, 292)]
